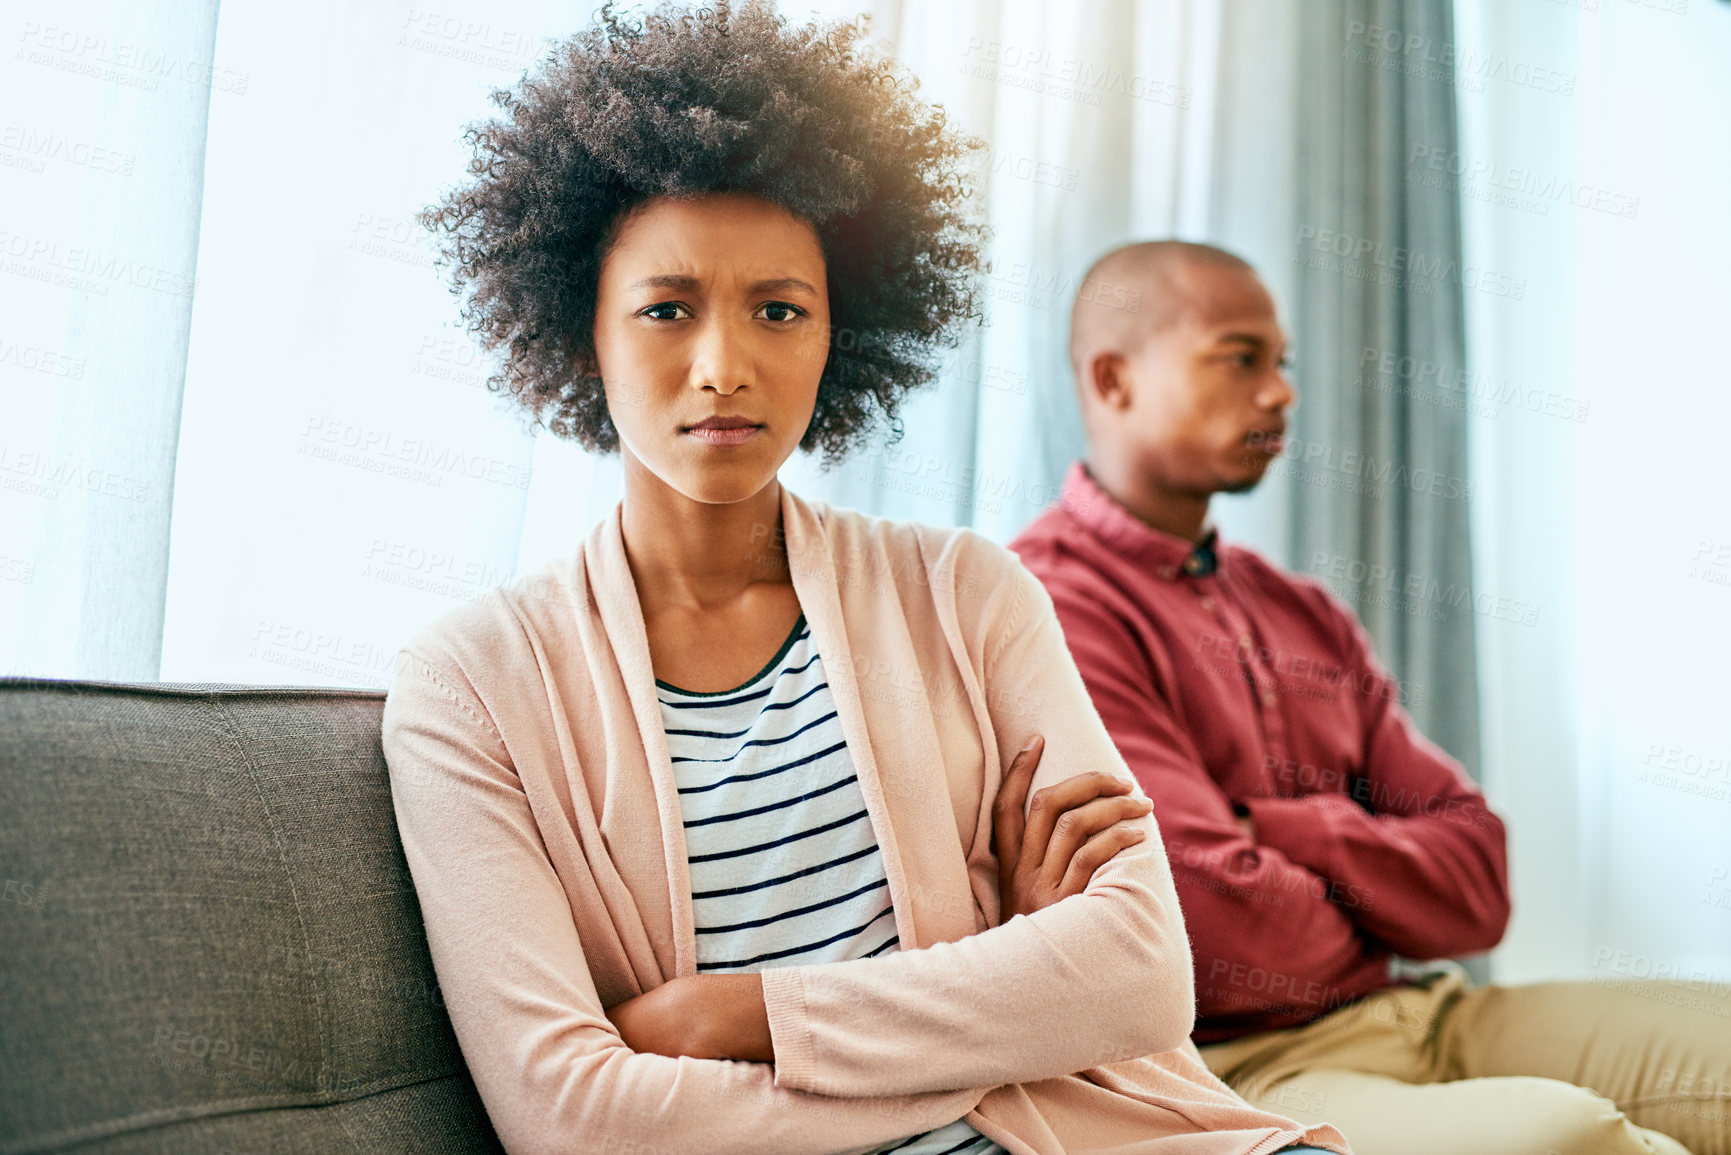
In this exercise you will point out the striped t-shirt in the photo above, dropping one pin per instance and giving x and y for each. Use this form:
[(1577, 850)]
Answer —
[(785, 869)]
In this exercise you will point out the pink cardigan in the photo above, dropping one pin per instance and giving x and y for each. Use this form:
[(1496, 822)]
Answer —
[(537, 809)]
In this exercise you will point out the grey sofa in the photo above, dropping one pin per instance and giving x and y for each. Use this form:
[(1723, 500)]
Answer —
[(209, 941)]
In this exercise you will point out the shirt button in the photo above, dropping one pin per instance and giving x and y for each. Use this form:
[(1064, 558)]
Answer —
[(1191, 564), (1244, 643), (1207, 603), (1269, 697)]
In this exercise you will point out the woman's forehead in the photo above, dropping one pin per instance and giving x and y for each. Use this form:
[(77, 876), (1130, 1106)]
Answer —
[(744, 239)]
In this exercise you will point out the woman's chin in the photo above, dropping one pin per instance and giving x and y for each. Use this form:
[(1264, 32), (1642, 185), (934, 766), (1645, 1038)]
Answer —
[(720, 484), (703, 474)]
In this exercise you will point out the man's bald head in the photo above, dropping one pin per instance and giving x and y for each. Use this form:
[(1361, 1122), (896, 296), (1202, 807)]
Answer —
[(1139, 291), (1180, 363)]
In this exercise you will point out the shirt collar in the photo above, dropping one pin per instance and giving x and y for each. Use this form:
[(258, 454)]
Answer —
[(1165, 554)]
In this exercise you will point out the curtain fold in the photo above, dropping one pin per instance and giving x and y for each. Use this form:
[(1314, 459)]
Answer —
[(1098, 122), (1381, 494), (1185, 124), (243, 438), (345, 475), (1598, 426), (315, 522), (102, 175)]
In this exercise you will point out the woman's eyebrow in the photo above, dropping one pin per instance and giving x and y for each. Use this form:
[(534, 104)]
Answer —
[(666, 281), (684, 282), (775, 284)]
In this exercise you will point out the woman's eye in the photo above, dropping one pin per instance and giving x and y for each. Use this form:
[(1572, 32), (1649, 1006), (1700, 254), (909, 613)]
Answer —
[(665, 311), (781, 311)]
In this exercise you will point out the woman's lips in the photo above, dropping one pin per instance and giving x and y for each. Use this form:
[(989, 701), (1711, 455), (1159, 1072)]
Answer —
[(725, 434)]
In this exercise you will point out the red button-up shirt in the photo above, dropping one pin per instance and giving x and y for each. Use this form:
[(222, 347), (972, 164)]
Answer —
[(1247, 690)]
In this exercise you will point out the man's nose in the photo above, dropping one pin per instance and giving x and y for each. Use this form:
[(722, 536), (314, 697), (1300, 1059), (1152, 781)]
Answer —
[(719, 360), (1279, 392)]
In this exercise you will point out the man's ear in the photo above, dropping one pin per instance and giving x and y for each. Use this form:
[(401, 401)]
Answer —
[(1108, 380)]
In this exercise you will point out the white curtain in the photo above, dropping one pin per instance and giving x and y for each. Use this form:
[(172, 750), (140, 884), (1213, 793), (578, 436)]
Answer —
[(1099, 127), (342, 477), (102, 143), (1592, 162), (337, 476)]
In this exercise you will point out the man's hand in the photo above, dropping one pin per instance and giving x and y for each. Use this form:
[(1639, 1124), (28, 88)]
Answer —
[(699, 1016), (1073, 827)]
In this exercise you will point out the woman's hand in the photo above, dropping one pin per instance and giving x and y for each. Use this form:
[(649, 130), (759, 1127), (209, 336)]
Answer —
[(1073, 827), (698, 1016)]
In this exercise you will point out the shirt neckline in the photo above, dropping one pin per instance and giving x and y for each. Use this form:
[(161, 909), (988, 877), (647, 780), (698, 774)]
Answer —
[(786, 645), (1170, 557)]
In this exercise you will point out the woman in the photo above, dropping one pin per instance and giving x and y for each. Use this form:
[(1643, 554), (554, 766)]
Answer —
[(718, 825)]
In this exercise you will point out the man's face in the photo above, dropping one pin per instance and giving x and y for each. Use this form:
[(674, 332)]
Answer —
[(712, 308), (1209, 393)]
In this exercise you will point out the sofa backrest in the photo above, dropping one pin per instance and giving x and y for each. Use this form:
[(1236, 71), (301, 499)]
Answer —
[(209, 939)]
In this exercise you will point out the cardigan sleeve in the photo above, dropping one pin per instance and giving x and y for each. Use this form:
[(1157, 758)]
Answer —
[(1096, 978), (554, 1074)]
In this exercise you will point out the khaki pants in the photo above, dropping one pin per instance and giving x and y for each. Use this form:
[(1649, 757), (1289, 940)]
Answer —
[(1582, 1068)]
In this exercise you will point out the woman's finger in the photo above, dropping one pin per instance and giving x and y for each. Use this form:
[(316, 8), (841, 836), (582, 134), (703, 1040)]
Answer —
[(1007, 808), (1079, 825), (1052, 802), (1095, 853)]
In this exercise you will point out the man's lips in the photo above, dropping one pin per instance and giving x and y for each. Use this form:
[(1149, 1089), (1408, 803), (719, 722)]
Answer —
[(1268, 440), (724, 430)]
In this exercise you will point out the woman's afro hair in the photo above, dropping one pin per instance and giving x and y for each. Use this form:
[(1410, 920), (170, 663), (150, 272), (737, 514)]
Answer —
[(723, 98)]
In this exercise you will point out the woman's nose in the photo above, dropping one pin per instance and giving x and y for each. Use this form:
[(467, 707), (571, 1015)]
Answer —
[(720, 361)]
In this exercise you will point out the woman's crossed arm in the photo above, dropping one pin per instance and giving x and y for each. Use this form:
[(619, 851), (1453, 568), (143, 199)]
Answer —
[(1071, 829)]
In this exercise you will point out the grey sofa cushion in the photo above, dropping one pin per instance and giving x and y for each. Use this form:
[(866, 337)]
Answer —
[(209, 940)]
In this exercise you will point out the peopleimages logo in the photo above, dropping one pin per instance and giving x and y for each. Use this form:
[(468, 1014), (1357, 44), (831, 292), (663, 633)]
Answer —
[(1063, 77), (1366, 258), (1371, 474), (40, 147), (1458, 387), (45, 475), (87, 270), (382, 451), (1440, 59), (1546, 189), (125, 62), (1372, 583)]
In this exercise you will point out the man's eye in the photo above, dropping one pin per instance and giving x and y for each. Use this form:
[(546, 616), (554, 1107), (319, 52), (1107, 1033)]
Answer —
[(781, 311), (664, 311)]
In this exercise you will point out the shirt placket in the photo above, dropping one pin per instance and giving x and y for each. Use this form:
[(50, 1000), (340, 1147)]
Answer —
[(1215, 596)]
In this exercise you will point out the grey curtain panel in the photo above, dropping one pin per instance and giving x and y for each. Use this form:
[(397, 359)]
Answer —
[(1378, 465)]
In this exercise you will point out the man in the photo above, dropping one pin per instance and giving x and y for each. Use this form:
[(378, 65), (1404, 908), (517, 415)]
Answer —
[(1316, 837)]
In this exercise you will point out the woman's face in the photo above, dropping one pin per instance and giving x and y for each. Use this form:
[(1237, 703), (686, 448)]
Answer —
[(711, 332)]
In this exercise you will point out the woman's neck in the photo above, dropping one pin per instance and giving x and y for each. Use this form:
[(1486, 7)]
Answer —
[(699, 555)]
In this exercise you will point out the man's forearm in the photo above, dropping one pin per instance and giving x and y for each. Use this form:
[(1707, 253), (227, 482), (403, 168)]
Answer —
[(1424, 884)]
